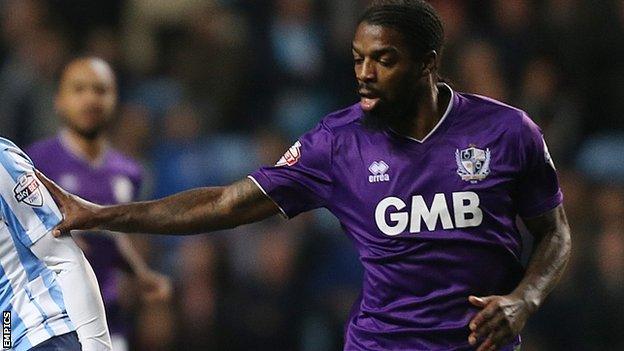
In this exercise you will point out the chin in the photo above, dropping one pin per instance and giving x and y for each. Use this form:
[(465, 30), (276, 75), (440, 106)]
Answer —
[(89, 133), (376, 119)]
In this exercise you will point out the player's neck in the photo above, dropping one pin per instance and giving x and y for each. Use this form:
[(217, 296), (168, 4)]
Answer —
[(91, 150), (429, 111)]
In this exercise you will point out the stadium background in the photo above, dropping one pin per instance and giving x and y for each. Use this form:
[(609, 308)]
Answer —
[(210, 90)]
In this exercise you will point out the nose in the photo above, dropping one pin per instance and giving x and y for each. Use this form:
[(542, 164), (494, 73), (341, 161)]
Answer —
[(92, 95), (366, 71)]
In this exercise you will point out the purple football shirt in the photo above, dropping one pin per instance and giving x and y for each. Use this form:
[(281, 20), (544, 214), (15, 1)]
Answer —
[(433, 220), (114, 179)]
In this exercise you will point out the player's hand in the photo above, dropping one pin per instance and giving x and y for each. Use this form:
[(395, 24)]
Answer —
[(77, 212), (155, 287), (500, 320)]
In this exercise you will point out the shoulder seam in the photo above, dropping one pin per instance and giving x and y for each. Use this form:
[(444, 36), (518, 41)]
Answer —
[(494, 102), (331, 153)]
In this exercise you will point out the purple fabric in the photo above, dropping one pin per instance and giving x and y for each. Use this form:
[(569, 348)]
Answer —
[(422, 261), (115, 179)]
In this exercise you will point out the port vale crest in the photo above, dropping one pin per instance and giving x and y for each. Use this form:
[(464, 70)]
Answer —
[(473, 164)]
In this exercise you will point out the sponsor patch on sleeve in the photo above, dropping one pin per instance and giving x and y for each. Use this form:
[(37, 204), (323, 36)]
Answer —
[(28, 190), (291, 156)]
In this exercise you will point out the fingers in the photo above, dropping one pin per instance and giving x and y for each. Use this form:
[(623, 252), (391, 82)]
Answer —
[(493, 324), (488, 326), (160, 291), (479, 301), (58, 232), (495, 340), (65, 227), (56, 192), (485, 314), (487, 345)]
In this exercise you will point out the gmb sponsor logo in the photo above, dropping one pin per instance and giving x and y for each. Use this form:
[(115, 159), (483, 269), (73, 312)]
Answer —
[(465, 207)]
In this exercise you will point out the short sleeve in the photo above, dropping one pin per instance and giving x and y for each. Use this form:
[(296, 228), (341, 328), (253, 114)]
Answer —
[(538, 186), (26, 205), (301, 180)]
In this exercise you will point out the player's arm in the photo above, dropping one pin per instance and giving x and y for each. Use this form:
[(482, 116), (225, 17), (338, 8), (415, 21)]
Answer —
[(194, 211), (503, 317), (154, 286)]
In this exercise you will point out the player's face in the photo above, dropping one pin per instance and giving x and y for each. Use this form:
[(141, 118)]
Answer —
[(388, 76), (87, 97)]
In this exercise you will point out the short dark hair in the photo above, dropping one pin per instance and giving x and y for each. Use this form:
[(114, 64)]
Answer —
[(416, 20)]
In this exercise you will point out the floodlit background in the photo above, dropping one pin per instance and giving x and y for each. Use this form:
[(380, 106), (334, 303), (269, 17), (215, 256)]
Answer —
[(210, 90)]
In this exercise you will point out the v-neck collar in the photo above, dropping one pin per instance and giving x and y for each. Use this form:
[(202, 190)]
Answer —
[(75, 152), (438, 125)]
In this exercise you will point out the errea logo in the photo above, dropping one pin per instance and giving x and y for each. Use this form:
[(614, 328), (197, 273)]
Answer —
[(378, 170)]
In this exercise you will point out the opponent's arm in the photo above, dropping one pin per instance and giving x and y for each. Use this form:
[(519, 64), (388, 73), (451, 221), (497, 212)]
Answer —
[(194, 211), (503, 317), (154, 286)]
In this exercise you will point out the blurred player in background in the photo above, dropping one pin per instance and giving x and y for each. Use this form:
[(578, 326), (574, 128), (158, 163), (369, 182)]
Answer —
[(80, 159), (41, 307), (426, 181)]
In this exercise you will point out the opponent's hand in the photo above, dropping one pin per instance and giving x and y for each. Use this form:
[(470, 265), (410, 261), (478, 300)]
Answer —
[(77, 212), (500, 320), (155, 287)]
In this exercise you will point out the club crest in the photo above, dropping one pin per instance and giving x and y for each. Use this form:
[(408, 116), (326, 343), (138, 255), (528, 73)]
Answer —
[(27, 191), (473, 164), (291, 156)]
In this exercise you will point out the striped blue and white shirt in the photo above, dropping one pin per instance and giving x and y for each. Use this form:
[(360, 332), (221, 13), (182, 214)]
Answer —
[(28, 289)]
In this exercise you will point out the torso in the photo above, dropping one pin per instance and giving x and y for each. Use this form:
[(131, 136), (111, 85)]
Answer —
[(428, 236)]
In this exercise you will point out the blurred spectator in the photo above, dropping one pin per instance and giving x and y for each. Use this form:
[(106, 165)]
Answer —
[(544, 98), (34, 52), (480, 70), (198, 294), (600, 158)]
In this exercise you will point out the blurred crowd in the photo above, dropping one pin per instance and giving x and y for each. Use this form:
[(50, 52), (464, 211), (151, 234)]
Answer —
[(210, 90)]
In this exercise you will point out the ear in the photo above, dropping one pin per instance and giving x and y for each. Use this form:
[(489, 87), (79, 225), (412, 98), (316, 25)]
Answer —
[(429, 63)]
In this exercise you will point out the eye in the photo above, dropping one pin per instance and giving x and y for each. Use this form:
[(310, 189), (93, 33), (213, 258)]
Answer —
[(358, 60), (387, 61), (100, 90), (78, 88)]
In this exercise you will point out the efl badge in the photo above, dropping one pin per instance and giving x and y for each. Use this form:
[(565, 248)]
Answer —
[(291, 156), (473, 164), (27, 191)]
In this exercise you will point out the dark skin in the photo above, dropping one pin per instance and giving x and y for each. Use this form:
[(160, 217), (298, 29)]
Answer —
[(399, 84), (392, 82)]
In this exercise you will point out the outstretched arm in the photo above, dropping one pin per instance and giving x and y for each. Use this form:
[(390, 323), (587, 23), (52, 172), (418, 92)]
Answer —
[(503, 317), (155, 287), (194, 211)]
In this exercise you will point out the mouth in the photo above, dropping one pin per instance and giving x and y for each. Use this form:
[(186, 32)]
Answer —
[(368, 100), (92, 113)]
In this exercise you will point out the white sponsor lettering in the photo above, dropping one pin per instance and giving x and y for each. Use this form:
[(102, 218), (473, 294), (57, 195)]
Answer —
[(467, 203), (438, 210), (465, 209), (401, 218)]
